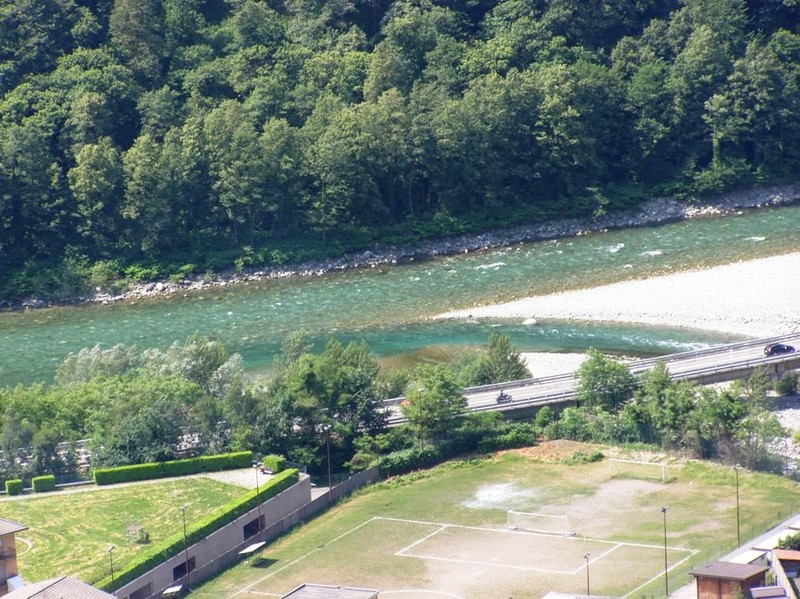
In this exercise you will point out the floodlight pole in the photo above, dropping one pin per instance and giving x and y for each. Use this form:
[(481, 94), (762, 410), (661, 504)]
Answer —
[(328, 450), (185, 545), (666, 567), (111, 561), (738, 534), (258, 503), (586, 557)]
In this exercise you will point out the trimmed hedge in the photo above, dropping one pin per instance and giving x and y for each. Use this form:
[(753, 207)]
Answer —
[(43, 484), (14, 487), (276, 463), (198, 530), (212, 463)]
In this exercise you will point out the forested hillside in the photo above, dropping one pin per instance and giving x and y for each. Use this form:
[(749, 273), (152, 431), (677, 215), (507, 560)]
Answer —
[(144, 138)]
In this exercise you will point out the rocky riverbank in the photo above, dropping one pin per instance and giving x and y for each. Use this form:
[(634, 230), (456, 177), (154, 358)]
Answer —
[(653, 212)]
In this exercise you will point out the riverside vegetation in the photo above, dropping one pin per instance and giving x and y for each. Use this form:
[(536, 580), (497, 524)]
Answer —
[(152, 139), (119, 397)]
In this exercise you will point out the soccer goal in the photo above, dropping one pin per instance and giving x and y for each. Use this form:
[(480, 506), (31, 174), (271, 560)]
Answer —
[(635, 469), (546, 523)]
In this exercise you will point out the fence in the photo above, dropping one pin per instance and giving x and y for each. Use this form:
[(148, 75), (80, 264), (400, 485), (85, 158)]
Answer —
[(223, 548)]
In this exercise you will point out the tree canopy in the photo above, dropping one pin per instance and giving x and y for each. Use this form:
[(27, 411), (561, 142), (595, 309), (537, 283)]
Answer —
[(147, 138)]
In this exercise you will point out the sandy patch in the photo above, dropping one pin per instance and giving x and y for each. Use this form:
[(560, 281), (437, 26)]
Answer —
[(756, 298)]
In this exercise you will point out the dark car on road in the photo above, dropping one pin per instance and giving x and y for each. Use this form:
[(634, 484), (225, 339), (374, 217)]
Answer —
[(504, 397), (776, 349)]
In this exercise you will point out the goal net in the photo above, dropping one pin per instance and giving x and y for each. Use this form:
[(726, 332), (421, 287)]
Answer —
[(546, 523), (635, 469)]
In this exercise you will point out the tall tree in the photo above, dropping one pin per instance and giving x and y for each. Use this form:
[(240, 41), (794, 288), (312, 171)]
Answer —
[(433, 402)]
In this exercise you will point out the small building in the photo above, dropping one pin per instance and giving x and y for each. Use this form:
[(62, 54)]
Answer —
[(8, 554), (324, 591), (725, 580), (62, 587)]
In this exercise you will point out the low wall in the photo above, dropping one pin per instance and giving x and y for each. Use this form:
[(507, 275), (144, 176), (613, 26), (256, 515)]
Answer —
[(221, 549)]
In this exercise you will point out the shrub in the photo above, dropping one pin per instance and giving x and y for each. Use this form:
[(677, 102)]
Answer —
[(197, 531), (214, 463), (787, 384), (276, 463), (14, 487), (791, 541), (43, 484)]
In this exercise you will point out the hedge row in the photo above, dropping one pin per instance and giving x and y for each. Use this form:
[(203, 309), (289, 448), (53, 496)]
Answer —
[(14, 487), (196, 531), (43, 484), (276, 463), (213, 463), (460, 442)]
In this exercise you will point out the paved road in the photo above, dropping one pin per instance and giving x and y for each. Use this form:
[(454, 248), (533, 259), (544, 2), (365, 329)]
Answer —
[(688, 365)]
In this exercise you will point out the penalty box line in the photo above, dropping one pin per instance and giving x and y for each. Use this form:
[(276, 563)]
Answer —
[(441, 526)]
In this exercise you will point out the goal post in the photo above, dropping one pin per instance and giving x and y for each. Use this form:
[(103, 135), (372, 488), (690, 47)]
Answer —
[(618, 468), (541, 523)]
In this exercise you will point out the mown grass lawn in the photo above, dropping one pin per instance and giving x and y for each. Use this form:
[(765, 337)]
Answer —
[(69, 533), (389, 537)]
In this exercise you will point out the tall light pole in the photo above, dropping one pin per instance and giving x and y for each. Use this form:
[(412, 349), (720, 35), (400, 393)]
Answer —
[(586, 557), (328, 451), (258, 503), (666, 567), (738, 534), (185, 545), (111, 561)]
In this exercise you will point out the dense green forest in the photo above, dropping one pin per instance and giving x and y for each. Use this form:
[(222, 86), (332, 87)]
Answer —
[(154, 138)]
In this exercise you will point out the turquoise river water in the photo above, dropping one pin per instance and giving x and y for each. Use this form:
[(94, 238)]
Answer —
[(390, 307)]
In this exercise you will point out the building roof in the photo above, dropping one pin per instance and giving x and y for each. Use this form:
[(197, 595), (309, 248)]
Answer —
[(9, 526), (728, 571), (747, 557), (62, 587), (770, 592), (323, 591), (787, 555), (772, 541)]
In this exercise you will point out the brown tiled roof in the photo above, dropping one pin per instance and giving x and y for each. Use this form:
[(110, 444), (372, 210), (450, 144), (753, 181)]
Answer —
[(58, 588), (9, 526), (786, 554), (729, 571)]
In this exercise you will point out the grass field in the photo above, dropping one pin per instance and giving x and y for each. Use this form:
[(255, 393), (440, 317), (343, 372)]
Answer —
[(69, 533), (444, 533)]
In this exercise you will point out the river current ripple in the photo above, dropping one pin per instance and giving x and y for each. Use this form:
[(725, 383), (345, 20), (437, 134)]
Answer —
[(390, 306)]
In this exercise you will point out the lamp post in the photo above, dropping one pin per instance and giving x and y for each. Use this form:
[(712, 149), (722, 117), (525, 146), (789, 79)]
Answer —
[(586, 557), (328, 451), (666, 575), (258, 504), (738, 534), (111, 561), (185, 546)]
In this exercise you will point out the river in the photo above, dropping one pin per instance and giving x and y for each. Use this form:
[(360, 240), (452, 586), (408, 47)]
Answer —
[(390, 307)]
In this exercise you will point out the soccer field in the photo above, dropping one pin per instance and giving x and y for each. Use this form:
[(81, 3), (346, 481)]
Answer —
[(446, 534)]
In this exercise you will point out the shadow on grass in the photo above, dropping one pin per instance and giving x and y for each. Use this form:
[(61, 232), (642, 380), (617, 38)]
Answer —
[(262, 562)]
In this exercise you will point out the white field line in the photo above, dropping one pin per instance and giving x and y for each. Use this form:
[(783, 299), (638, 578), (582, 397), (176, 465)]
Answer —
[(422, 540), (478, 563), (594, 559), (422, 591), (299, 559), (26, 542), (672, 567)]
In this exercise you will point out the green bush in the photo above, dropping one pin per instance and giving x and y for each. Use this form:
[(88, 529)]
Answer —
[(214, 463), (43, 484), (787, 384), (196, 531), (14, 487), (276, 463)]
